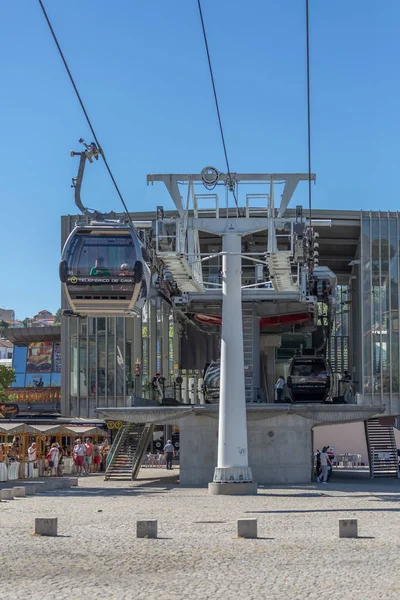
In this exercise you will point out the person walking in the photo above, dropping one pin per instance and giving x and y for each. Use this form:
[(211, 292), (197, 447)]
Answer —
[(169, 453), (96, 457), (79, 456), (32, 458), (60, 461), (325, 462), (88, 456), (345, 383), (105, 449), (279, 385), (53, 458)]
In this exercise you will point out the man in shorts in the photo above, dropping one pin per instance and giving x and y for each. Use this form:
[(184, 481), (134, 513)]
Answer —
[(79, 456), (88, 456)]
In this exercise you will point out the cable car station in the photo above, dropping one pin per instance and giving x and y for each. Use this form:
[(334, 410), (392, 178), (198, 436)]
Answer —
[(238, 297)]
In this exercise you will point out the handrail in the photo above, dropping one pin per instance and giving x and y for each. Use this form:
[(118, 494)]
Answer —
[(141, 448), (115, 446)]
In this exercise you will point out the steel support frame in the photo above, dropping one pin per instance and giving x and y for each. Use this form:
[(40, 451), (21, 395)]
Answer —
[(291, 180)]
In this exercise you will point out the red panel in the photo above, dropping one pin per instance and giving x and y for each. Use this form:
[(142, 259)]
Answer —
[(272, 321), (289, 319), (208, 319)]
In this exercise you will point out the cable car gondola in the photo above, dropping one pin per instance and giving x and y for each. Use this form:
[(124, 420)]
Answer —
[(309, 379), (102, 270), (211, 384)]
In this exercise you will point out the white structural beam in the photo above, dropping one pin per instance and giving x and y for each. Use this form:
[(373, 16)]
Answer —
[(233, 465), (172, 181)]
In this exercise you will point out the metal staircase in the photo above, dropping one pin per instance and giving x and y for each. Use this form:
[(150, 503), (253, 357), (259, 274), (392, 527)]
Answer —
[(382, 450), (280, 269), (180, 254), (247, 316), (181, 271), (127, 451)]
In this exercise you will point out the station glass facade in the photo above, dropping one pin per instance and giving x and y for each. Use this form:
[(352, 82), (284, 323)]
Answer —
[(113, 358), (379, 277)]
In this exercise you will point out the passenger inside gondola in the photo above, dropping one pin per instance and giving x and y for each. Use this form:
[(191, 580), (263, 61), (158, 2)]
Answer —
[(126, 271), (99, 270)]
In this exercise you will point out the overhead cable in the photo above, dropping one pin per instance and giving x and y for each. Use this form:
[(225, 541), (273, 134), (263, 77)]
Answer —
[(230, 182), (308, 112), (83, 108)]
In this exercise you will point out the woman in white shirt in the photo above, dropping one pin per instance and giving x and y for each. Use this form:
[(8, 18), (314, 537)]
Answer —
[(32, 457), (3, 466), (54, 456)]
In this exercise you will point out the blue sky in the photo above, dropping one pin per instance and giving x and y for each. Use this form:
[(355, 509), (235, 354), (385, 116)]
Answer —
[(141, 69)]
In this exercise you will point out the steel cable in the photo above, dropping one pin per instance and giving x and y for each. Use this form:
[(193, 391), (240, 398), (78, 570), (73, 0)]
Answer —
[(83, 108)]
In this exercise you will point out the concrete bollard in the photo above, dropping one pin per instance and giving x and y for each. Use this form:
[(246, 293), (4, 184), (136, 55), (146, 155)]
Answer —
[(46, 526), (146, 529), (348, 528), (73, 481), (6, 494), (19, 492), (247, 528)]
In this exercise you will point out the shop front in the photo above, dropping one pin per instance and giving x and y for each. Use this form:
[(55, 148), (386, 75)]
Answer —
[(16, 437), (37, 366)]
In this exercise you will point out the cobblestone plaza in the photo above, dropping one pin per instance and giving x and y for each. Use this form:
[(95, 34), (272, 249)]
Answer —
[(198, 555)]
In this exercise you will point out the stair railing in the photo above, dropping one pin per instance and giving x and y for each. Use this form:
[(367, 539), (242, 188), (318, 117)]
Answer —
[(141, 448), (118, 441)]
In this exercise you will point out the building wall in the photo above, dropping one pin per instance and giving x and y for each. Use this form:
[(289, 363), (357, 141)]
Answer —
[(6, 350), (380, 264), (280, 450), (7, 314)]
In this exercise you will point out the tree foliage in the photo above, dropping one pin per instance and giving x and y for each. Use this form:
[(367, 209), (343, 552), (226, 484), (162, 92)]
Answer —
[(7, 377), (57, 317)]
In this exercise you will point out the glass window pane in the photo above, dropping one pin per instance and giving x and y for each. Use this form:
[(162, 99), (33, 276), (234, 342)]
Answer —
[(19, 359), (376, 308), (171, 330), (158, 341), (145, 348), (74, 356), (57, 357), (111, 358), (394, 301), (384, 305), (37, 381), (19, 380), (367, 307), (101, 362), (56, 379), (92, 364), (102, 256), (120, 357), (82, 367)]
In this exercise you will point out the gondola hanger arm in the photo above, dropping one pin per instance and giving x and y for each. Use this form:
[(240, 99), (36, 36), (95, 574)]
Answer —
[(91, 152)]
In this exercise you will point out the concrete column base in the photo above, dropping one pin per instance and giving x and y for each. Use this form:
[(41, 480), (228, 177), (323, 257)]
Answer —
[(232, 475), (232, 489)]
